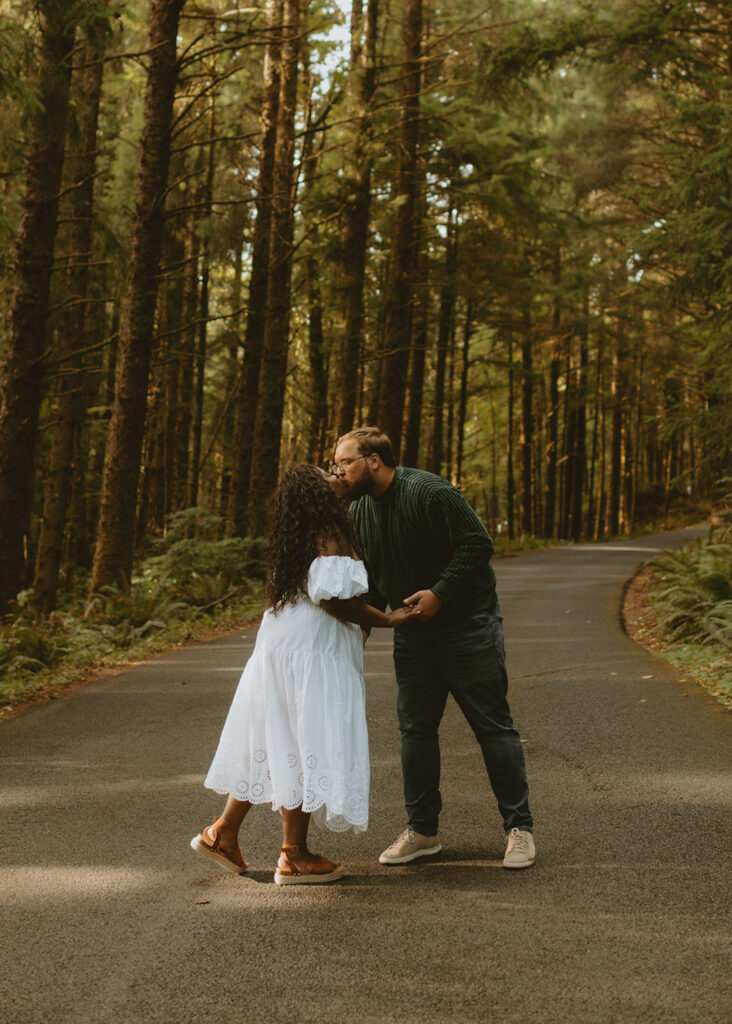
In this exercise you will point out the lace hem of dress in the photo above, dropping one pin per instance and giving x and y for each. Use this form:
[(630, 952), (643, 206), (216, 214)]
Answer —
[(335, 821)]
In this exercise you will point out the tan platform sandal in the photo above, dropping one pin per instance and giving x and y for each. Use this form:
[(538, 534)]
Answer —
[(208, 844), (320, 871)]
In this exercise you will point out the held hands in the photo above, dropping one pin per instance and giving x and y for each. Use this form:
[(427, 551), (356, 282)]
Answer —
[(425, 603), (401, 615)]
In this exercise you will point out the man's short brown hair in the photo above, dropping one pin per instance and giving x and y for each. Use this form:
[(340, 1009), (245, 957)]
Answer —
[(371, 439)]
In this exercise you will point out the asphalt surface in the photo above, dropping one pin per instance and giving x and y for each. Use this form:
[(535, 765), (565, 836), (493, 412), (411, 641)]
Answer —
[(107, 916)]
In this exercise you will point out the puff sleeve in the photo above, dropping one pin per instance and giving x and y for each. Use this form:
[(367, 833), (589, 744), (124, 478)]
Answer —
[(336, 576)]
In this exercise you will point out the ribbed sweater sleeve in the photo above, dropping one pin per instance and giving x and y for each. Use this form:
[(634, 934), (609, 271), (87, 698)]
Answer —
[(453, 521)]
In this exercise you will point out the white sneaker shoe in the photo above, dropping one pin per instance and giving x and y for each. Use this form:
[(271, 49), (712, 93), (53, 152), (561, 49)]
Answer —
[(408, 846), (520, 849)]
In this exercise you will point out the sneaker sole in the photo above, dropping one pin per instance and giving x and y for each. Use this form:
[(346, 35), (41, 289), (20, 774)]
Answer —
[(332, 876), (199, 847), (383, 859), (522, 864)]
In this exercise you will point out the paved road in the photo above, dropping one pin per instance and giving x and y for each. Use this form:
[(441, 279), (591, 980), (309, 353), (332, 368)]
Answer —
[(108, 917)]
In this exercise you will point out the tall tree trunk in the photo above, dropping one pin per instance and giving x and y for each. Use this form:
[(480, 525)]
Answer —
[(579, 454), (398, 302), (114, 550), (445, 322), (616, 455), (415, 412), (246, 408), (633, 444), (590, 527), (495, 512), (510, 482), (202, 330), (21, 375), (601, 515), (418, 356), (317, 421), (354, 239), (317, 359), (566, 482), (463, 406), (270, 404), (88, 454), (450, 431), (550, 493), (185, 346), (86, 504), (228, 417), (72, 332), (527, 427)]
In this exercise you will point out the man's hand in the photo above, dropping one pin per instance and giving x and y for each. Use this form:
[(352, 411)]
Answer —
[(426, 602)]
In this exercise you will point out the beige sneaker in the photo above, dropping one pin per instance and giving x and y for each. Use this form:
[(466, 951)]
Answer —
[(520, 849), (408, 846)]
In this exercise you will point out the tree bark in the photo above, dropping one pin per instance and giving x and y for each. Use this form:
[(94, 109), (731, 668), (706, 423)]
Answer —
[(616, 455), (115, 540), (510, 482), (21, 376), (203, 303), (444, 334), (550, 492), (246, 412), (354, 238), (450, 431), (597, 402), (463, 406), (228, 416), (527, 427), (398, 303), (270, 403), (579, 454), (317, 355), (415, 413), (73, 332), (317, 360)]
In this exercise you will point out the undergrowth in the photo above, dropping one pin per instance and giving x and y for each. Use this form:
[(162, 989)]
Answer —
[(691, 592), (189, 586)]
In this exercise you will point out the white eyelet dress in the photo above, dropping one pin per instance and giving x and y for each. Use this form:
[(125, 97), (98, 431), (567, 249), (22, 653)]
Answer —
[(296, 730)]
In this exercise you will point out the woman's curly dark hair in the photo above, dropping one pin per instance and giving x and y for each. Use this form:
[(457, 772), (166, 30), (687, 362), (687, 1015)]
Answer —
[(305, 511)]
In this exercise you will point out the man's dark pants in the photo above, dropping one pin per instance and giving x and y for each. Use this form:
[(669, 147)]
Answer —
[(466, 659)]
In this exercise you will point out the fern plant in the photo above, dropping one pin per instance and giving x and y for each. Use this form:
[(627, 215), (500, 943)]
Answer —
[(693, 595)]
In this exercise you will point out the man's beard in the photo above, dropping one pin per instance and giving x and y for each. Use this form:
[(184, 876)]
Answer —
[(359, 487)]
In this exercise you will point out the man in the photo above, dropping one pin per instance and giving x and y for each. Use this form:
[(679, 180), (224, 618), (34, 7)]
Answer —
[(424, 546)]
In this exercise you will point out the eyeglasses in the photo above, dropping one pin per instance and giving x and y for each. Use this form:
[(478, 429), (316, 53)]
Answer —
[(337, 467)]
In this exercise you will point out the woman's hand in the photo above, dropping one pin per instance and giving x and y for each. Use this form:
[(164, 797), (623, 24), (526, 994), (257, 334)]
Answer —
[(402, 615)]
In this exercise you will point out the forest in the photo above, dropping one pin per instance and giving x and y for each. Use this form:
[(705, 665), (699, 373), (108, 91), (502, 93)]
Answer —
[(229, 233)]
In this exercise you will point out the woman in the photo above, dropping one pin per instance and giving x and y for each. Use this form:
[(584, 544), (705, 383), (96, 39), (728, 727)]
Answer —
[(295, 736)]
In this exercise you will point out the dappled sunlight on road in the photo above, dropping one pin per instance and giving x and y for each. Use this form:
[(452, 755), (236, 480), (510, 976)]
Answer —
[(40, 882), (35, 796)]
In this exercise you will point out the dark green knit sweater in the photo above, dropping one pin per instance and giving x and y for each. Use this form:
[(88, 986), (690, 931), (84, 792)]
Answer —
[(423, 535)]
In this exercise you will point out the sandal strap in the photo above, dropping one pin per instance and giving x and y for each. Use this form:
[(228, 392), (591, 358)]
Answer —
[(284, 853), (214, 833)]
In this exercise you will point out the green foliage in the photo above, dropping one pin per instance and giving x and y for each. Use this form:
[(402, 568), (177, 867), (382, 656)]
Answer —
[(142, 608), (27, 646), (693, 593), (183, 577), (197, 568)]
